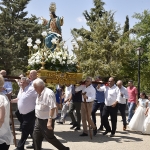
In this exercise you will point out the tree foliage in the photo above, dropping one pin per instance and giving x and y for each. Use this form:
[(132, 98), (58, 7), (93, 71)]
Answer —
[(105, 49), (142, 34), (15, 28)]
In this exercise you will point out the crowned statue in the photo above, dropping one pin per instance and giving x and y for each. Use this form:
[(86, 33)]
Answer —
[(52, 60), (54, 27)]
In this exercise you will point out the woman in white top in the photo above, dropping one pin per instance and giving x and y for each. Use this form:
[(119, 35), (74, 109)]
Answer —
[(146, 129), (6, 137), (138, 118)]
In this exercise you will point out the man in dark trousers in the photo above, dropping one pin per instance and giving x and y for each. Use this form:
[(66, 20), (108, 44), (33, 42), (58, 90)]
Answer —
[(75, 104), (122, 102), (98, 103), (45, 111), (26, 107), (111, 106)]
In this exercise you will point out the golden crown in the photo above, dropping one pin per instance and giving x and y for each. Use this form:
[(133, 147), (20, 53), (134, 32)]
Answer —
[(52, 7)]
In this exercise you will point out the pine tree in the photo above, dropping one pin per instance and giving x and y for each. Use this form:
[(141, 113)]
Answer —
[(104, 47), (142, 35), (15, 28)]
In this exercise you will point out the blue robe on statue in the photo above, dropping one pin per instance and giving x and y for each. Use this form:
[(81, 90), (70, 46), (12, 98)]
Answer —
[(54, 25)]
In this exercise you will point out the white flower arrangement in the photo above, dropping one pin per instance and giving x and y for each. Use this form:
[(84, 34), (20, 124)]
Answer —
[(59, 60), (53, 61)]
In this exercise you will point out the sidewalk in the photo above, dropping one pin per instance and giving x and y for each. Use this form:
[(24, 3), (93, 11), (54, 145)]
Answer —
[(123, 140)]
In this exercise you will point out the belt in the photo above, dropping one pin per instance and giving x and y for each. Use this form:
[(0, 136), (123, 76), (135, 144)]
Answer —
[(87, 102), (96, 101)]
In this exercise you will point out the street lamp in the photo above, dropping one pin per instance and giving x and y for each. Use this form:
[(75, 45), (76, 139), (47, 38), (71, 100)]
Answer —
[(139, 52)]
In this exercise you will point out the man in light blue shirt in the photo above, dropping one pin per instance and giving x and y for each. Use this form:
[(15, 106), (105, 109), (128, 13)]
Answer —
[(7, 88)]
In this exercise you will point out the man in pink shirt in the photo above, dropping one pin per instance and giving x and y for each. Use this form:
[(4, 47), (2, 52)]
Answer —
[(132, 100)]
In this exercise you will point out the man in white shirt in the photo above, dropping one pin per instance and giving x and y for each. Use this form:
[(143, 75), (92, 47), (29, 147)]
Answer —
[(89, 94), (111, 105), (123, 96), (24, 82), (45, 111), (67, 99), (26, 107)]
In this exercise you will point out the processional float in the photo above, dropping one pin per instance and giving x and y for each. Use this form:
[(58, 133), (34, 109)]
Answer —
[(52, 60)]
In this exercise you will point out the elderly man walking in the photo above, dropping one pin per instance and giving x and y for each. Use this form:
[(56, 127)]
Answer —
[(123, 96), (24, 82), (45, 111), (26, 107)]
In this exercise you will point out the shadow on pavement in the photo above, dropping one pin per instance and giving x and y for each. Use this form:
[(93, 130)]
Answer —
[(73, 136)]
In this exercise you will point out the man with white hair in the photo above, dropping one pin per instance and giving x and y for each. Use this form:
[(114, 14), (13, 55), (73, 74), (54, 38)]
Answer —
[(26, 107), (123, 96), (23, 83), (7, 88), (45, 111)]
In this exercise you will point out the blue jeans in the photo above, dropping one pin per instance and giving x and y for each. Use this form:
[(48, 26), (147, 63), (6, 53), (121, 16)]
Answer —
[(96, 106), (131, 108)]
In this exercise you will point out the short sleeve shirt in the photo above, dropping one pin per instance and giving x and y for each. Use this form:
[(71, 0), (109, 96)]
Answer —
[(132, 93), (44, 103)]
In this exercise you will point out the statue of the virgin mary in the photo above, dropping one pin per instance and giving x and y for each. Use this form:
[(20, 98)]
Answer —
[(54, 24)]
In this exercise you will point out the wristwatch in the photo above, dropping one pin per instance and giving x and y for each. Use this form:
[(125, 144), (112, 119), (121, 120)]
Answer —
[(50, 117)]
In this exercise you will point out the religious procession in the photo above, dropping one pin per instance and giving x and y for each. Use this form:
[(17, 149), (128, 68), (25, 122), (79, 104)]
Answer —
[(87, 90)]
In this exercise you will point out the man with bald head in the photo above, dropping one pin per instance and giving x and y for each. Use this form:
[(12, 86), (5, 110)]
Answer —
[(123, 96), (33, 75), (111, 105)]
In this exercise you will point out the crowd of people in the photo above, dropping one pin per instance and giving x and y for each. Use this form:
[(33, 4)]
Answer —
[(38, 108)]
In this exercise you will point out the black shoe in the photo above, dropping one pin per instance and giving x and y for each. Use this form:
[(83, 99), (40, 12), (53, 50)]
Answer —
[(73, 126), (84, 134), (77, 128), (71, 123), (19, 129), (67, 148), (100, 129), (30, 147), (124, 127), (60, 122), (111, 135), (95, 131), (105, 132), (16, 149)]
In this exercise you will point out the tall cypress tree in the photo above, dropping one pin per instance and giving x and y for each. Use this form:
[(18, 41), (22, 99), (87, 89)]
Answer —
[(126, 26), (15, 28)]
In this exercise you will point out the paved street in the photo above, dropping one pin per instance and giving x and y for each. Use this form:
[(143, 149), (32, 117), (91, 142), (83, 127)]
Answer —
[(124, 140)]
